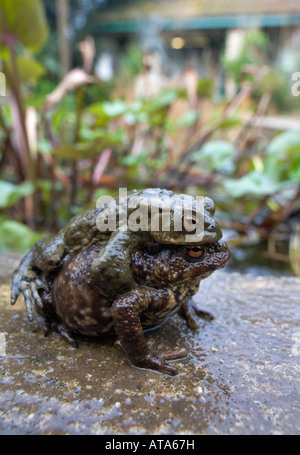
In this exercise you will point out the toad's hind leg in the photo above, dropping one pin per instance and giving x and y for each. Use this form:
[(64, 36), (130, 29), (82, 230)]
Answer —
[(52, 323)]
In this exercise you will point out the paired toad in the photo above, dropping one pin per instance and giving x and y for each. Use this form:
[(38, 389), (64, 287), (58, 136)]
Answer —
[(95, 283)]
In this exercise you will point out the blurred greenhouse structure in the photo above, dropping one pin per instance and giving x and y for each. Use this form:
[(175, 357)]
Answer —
[(199, 31)]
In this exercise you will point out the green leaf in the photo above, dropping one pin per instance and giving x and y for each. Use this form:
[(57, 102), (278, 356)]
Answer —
[(280, 145), (252, 184), (230, 123), (92, 148), (283, 156), (73, 152), (103, 137), (105, 111), (97, 111), (115, 108), (205, 88), (25, 20), (29, 69), (135, 113), (16, 236), (10, 193), (165, 98), (64, 118), (217, 155), (188, 119), (132, 160)]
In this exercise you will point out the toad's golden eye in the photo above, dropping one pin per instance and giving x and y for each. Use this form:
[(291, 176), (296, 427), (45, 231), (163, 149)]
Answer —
[(189, 222), (196, 251)]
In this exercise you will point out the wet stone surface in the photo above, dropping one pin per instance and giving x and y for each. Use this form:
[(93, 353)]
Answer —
[(242, 374)]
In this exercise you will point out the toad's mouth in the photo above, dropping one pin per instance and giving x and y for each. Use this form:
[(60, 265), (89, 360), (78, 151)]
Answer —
[(190, 238)]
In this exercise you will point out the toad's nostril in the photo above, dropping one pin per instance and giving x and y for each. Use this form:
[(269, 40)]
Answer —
[(212, 226), (221, 246)]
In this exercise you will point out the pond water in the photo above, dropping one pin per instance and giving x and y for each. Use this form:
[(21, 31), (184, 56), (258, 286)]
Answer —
[(253, 259)]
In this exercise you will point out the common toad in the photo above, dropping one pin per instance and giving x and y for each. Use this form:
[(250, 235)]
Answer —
[(111, 267)]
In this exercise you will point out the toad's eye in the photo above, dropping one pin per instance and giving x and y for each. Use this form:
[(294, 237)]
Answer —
[(190, 222), (195, 251)]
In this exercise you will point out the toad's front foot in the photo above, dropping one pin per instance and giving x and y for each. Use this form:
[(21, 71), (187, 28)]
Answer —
[(189, 311), (143, 302), (111, 270), (27, 282)]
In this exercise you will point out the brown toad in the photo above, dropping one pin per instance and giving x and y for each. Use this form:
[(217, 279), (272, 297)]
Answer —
[(111, 266), (167, 276)]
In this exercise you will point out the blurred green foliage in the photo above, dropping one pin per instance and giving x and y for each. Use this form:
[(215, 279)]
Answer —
[(96, 138), (10, 193), (130, 63), (26, 20), (254, 50), (216, 156), (278, 84), (15, 236), (281, 169)]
